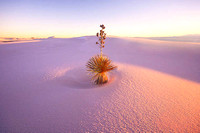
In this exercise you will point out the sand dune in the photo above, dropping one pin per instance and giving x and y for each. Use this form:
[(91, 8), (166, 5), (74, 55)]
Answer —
[(44, 87), (187, 38), (6, 40)]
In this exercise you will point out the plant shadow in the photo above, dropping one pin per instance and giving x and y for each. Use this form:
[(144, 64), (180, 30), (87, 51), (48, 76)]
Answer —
[(78, 78)]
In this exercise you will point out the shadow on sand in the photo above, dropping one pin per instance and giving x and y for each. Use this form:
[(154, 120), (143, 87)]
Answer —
[(78, 78)]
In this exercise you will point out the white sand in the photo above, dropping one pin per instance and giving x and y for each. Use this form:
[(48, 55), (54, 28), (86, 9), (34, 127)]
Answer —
[(186, 38), (44, 87)]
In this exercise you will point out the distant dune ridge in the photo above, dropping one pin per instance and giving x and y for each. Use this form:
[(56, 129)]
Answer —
[(186, 38), (44, 86), (6, 40)]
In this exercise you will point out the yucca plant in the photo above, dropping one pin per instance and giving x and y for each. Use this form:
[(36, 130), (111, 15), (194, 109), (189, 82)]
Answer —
[(99, 65)]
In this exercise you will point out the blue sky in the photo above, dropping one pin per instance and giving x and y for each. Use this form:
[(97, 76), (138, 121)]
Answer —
[(69, 18)]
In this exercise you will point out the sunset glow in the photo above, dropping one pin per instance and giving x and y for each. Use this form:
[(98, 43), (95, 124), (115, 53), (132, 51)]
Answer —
[(22, 18)]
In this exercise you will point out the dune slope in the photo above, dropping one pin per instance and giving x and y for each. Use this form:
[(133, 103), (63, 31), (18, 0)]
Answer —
[(44, 87)]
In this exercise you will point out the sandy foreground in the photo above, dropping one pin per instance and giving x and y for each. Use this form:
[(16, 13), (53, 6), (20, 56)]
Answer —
[(44, 87)]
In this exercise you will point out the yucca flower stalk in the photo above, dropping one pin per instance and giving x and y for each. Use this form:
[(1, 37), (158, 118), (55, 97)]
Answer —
[(102, 37), (99, 65)]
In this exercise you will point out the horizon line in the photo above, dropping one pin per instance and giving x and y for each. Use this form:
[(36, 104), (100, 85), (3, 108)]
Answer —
[(108, 36)]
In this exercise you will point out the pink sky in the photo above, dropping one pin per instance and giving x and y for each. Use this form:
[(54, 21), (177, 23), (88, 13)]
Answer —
[(22, 18)]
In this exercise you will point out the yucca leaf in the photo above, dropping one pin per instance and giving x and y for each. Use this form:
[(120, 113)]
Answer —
[(98, 66)]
